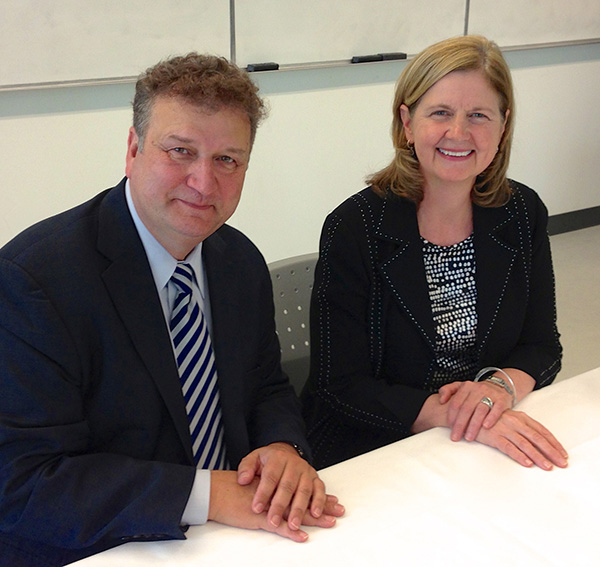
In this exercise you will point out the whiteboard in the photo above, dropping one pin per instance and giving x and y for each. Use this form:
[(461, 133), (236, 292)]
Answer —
[(62, 41), (71, 40), (525, 22), (307, 31)]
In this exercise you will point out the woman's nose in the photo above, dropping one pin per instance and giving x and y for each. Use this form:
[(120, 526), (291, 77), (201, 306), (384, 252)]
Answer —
[(459, 128)]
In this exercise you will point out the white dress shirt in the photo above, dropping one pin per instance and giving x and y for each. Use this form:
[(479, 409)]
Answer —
[(163, 265)]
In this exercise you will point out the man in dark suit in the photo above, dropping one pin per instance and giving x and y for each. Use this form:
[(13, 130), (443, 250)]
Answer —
[(97, 441)]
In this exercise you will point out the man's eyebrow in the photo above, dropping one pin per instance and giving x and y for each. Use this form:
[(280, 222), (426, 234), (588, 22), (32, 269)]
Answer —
[(185, 140), (178, 138)]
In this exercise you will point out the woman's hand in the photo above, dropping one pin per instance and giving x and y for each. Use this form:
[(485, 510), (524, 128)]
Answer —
[(467, 413), (525, 440), (458, 406)]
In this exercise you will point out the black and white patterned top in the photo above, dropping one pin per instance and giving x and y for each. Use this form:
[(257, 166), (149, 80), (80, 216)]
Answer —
[(450, 272)]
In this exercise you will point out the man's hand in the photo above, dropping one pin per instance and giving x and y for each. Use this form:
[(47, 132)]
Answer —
[(231, 504), (288, 486)]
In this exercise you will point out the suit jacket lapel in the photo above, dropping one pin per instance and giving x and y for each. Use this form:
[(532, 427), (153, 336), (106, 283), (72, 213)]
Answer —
[(130, 284), (400, 261), (495, 255), (227, 336)]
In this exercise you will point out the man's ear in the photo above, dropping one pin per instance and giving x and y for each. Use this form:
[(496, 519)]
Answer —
[(133, 146)]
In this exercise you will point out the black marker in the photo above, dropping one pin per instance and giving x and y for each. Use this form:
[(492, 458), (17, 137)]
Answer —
[(254, 67), (366, 58), (392, 56)]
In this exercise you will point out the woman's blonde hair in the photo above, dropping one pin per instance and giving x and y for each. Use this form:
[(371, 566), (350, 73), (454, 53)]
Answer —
[(466, 53)]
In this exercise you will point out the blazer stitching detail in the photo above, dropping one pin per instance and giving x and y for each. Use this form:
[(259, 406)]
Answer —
[(509, 218), (324, 371), (406, 309), (527, 261), (491, 325), (547, 374), (324, 375), (375, 310)]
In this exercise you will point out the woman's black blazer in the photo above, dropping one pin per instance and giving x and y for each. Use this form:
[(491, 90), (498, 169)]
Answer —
[(372, 329)]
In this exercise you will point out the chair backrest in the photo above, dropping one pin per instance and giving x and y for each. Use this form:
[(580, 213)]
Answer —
[(292, 287)]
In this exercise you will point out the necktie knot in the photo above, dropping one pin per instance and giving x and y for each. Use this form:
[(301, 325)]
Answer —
[(183, 277)]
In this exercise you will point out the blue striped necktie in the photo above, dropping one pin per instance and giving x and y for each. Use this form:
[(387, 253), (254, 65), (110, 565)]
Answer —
[(197, 372)]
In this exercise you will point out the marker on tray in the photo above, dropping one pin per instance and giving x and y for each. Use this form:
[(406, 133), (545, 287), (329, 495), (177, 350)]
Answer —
[(392, 56), (255, 67), (366, 58)]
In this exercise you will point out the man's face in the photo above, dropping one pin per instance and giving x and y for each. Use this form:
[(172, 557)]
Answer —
[(187, 179)]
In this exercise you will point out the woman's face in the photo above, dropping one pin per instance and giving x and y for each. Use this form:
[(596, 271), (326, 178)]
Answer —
[(456, 128)]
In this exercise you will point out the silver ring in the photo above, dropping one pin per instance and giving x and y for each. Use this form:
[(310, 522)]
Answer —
[(487, 402)]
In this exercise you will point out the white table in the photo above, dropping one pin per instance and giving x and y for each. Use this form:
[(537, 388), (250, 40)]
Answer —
[(428, 501)]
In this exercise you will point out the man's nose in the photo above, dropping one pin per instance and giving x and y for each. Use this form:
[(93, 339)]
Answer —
[(201, 176)]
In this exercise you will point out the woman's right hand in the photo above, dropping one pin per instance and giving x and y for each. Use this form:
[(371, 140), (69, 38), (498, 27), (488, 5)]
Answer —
[(466, 412), (525, 440)]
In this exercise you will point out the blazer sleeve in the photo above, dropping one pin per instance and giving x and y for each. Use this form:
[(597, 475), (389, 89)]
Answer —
[(347, 338), (537, 350), (53, 489)]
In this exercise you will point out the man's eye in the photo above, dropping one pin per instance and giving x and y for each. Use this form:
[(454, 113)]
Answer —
[(177, 152), (227, 162)]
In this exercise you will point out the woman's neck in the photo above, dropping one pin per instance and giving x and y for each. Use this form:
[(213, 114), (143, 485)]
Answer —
[(445, 217)]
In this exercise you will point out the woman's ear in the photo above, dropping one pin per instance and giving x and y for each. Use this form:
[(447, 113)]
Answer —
[(406, 121)]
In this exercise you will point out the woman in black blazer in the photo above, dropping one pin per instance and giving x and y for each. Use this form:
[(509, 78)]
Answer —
[(433, 302)]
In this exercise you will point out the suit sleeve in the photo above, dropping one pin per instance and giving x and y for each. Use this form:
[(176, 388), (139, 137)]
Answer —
[(53, 489), (538, 351), (347, 344)]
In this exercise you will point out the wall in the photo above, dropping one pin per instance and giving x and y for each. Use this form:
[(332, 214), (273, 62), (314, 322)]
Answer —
[(328, 128)]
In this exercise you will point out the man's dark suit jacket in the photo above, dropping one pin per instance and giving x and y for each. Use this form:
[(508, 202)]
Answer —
[(95, 447), (373, 334)]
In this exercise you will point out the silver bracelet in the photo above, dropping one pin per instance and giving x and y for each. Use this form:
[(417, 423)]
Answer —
[(498, 381)]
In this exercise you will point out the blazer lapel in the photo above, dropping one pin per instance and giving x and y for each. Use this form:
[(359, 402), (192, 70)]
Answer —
[(130, 283), (400, 261), (495, 255)]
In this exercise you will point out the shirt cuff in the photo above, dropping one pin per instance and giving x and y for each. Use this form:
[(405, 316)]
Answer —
[(196, 509)]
